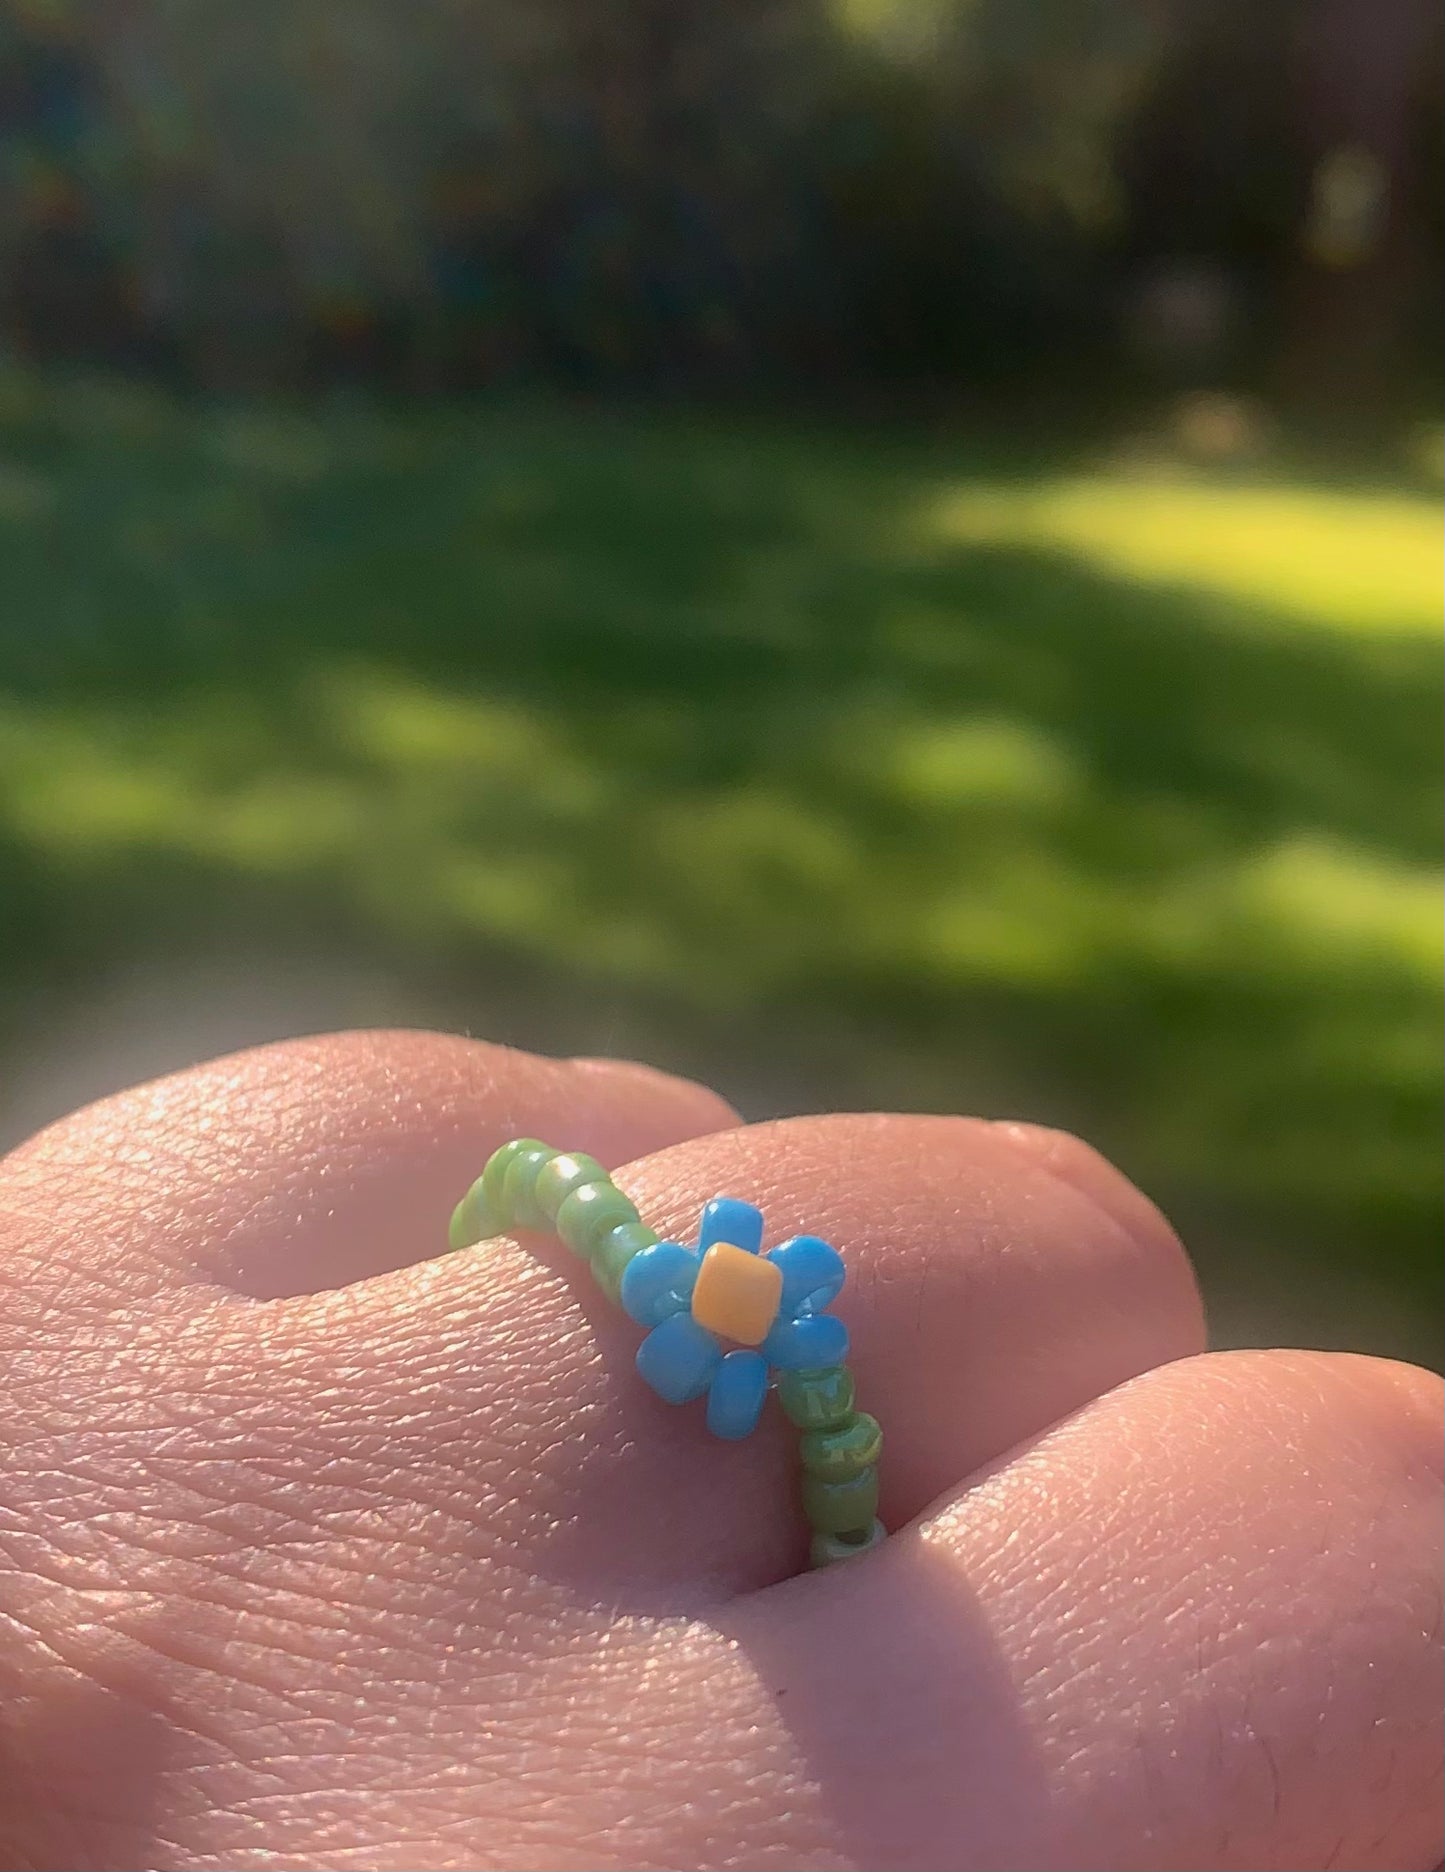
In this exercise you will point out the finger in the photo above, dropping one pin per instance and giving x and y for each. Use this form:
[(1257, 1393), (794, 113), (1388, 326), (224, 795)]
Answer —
[(986, 1299), (1198, 1625), (1071, 1160), (305, 1165)]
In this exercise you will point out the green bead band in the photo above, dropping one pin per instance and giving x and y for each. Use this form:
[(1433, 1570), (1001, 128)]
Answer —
[(519, 1187), (839, 1454), (529, 1185), (493, 1178), (837, 1507), (616, 1250), (473, 1219), (590, 1213), (557, 1180), (828, 1548), (817, 1400)]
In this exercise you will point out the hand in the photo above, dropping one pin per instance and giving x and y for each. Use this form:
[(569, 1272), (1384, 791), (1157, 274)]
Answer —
[(320, 1548)]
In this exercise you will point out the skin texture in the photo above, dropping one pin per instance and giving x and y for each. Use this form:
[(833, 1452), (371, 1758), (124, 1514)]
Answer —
[(318, 1552)]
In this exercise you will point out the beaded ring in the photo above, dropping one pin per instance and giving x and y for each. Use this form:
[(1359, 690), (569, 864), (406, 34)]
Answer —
[(723, 1319)]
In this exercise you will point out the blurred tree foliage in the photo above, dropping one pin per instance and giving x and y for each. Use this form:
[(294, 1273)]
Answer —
[(658, 192)]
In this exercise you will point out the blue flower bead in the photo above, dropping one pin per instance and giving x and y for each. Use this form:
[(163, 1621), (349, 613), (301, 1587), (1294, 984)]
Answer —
[(735, 1396), (682, 1357), (679, 1359)]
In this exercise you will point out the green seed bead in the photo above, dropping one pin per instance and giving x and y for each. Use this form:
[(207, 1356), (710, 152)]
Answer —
[(473, 1219), (840, 1454), (819, 1399), (616, 1250), (828, 1548), (836, 1507), (590, 1213), (557, 1180), (495, 1173), (519, 1187)]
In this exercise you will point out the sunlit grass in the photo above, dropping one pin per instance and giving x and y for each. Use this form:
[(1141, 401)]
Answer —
[(489, 815), (1340, 561), (1113, 800)]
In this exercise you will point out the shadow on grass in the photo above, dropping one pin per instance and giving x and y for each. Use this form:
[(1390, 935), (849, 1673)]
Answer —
[(704, 741)]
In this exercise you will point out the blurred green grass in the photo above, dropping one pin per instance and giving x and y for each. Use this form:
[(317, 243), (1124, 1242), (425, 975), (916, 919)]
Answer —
[(843, 768)]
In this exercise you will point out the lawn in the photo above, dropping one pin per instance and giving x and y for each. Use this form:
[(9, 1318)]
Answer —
[(842, 768)]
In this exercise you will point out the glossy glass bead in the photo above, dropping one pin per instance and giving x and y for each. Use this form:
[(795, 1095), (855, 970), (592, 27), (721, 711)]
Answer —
[(658, 1283), (835, 1507), (519, 1187), (726, 1219), (827, 1549), (473, 1220), (736, 1294), (591, 1212), (817, 1399), (812, 1271), (615, 1253), (495, 1173), (735, 1395), (838, 1454), (678, 1359), (557, 1180), (799, 1344)]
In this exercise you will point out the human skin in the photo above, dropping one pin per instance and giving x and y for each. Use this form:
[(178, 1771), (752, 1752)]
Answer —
[(318, 1549)]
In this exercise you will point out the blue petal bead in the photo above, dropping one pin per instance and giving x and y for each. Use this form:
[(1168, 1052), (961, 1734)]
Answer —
[(725, 1219), (658, 1283), (735, 1396), (817, 1339), (678, 1358), (813, 1274)]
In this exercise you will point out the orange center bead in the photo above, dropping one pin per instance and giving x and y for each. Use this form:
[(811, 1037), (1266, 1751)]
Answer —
[(736, 1294)]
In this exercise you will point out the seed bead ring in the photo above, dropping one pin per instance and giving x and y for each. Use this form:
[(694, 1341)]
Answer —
[(723, 1319)]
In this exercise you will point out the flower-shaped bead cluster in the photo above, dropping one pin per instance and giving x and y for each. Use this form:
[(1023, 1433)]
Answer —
[(769, 1306)]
